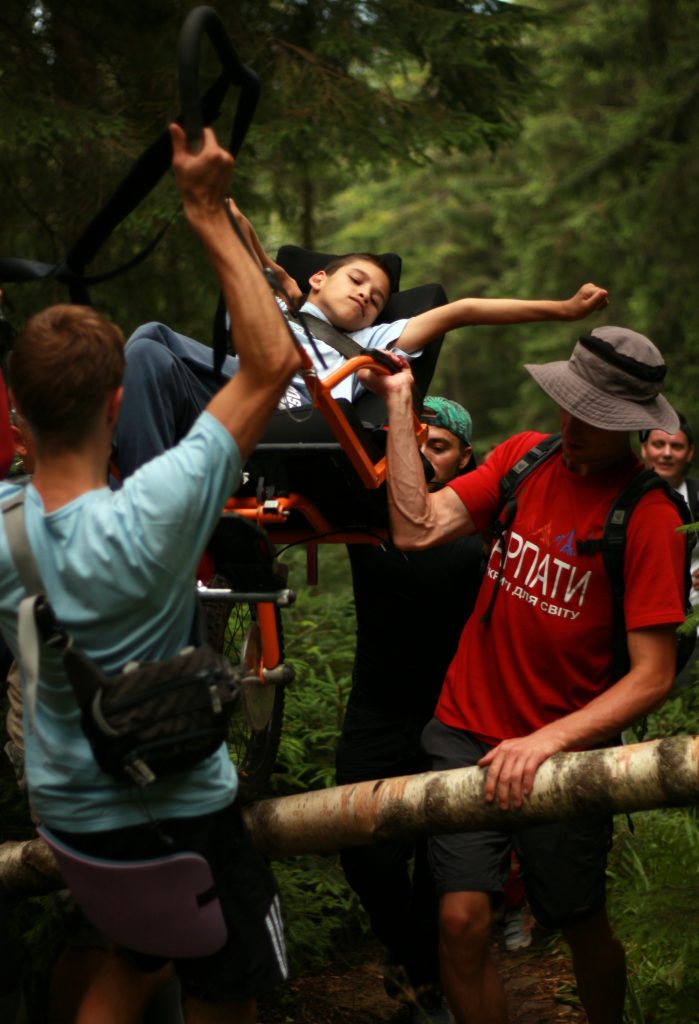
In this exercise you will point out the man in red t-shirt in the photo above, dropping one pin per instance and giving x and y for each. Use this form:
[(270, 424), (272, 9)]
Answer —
[(536, 677)]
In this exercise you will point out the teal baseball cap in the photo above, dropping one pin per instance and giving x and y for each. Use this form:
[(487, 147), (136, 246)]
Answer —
[(442, 412)]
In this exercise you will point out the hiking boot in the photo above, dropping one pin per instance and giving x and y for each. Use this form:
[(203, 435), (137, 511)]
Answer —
[(430, 1007), (395, 980), (517, 929)]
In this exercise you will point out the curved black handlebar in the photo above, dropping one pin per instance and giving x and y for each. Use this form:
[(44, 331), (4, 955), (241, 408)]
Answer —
[(155, 161), (198, 21)]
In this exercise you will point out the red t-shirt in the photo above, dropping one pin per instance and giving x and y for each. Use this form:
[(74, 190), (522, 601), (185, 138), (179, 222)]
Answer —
[(547, 649)]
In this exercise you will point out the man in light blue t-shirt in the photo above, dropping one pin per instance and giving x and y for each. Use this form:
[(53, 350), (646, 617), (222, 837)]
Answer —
[(118, 568)]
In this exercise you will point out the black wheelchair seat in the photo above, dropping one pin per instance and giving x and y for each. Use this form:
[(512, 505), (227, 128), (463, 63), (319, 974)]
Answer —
[(300, 455)]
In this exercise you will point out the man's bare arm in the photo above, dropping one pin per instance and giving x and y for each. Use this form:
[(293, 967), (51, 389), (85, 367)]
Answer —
[(513, 764), (429, 325), (267, 353), (419, 519)]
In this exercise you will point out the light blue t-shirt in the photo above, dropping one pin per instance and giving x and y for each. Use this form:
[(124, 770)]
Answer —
[(378, 336), (118, 568)]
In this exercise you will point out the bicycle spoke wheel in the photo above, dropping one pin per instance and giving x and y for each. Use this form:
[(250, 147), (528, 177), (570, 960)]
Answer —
[(256, 723)]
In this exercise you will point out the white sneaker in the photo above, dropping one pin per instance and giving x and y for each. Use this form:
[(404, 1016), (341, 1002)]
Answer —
[(517, 928)]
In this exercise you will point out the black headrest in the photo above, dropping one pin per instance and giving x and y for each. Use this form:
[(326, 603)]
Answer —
[(302, 263)]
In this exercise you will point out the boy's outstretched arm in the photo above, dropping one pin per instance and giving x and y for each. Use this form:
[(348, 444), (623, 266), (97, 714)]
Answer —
[(427, 326), (264, 345), (290, 290)]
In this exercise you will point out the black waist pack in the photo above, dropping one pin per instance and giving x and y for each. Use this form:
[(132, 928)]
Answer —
[(154, 718)]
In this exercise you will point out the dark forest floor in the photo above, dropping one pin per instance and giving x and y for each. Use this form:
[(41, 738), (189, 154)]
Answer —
[(538, 980)]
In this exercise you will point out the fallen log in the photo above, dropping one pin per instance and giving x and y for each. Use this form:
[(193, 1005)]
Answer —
[(28, 867), (662, 773)]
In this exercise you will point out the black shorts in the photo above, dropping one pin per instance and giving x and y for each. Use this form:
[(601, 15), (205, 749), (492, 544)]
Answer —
[(563, 864), (253, 959)]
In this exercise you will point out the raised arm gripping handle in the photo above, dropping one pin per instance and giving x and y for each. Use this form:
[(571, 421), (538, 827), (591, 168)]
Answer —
[(198, 21)]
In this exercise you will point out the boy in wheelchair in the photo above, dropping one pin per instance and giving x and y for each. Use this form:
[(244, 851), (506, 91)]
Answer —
[(169, 378)]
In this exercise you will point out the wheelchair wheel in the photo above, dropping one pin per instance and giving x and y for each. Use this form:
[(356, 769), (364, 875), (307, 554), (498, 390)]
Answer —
[(256, 723)]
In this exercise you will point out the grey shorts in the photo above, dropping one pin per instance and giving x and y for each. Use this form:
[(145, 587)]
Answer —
[(563, 864)]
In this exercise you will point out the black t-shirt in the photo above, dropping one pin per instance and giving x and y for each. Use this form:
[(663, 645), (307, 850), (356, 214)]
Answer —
[(411, 608)]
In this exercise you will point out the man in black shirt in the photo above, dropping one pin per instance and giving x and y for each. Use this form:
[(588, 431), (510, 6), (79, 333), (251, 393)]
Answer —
[(410, 610)]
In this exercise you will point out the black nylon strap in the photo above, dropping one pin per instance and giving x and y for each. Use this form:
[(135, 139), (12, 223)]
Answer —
[(153, 162), (612, 546), (138, 183), (348, 347), (342, 343)]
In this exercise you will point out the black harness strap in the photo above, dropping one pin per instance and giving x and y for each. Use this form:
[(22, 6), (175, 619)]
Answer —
[(612, 546), (341, 342), (200, 20), (348, 347)]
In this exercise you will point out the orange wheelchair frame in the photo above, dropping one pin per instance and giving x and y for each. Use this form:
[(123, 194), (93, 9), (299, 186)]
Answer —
[(273, 514), (256, 732)]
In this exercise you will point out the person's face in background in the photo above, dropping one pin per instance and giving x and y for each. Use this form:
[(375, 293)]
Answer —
[(447, 454), (669, 455)]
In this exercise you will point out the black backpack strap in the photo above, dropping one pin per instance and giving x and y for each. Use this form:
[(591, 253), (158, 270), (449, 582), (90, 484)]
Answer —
[(693, 497), (518, 474), (612, 545), (507, 509)]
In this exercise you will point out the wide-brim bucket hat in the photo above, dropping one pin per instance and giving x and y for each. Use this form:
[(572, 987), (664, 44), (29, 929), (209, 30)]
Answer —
[(612, 381)]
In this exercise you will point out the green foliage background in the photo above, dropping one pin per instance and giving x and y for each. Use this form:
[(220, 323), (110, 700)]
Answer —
[(324, 918), (501, 148)]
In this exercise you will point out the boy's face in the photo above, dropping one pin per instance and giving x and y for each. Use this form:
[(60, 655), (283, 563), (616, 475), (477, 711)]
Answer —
[(668, 454), (352, 296)]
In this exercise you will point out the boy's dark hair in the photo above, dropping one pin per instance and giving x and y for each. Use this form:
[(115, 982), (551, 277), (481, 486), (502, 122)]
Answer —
[(64, 363), (370, 257)]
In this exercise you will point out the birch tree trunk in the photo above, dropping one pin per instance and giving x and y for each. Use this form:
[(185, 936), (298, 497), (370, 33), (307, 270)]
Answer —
[(663, 773)]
